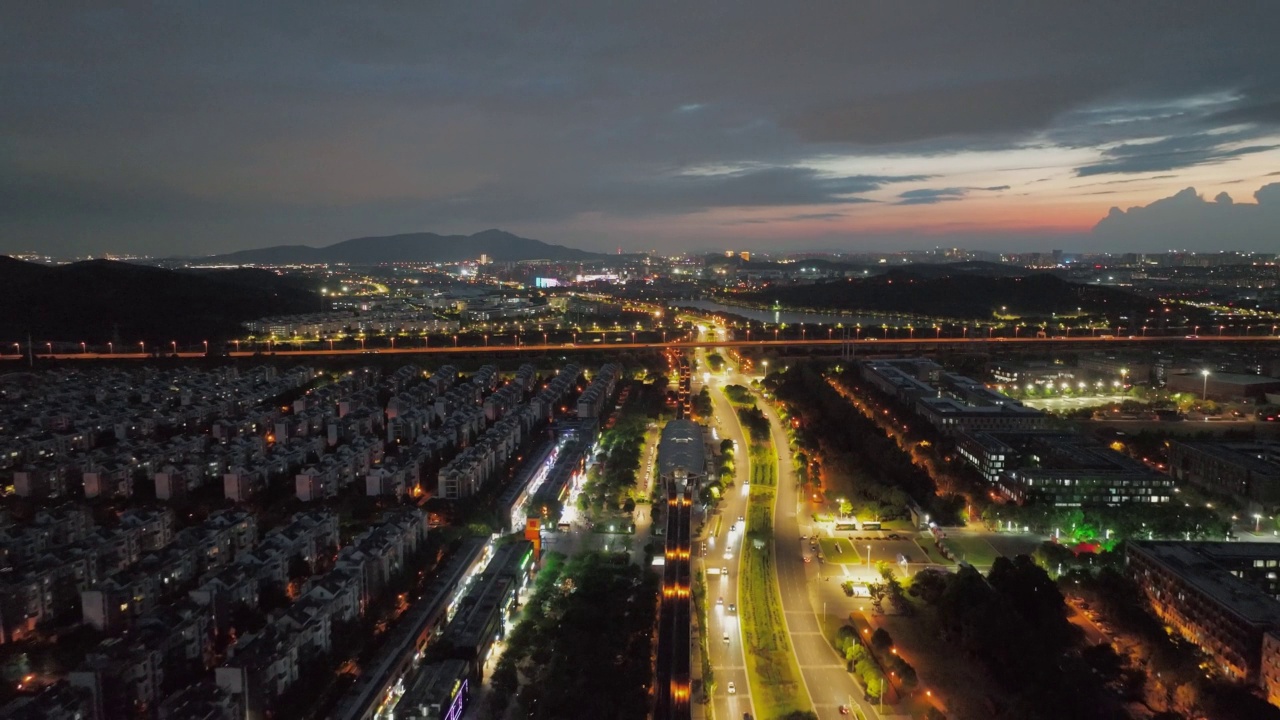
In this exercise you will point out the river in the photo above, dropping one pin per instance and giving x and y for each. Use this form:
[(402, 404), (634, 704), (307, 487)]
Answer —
[(791, 317)]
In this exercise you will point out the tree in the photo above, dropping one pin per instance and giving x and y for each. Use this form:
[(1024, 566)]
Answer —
[(881, 641), (929, 585), (846, 507), (1104, 661), (878, 592)]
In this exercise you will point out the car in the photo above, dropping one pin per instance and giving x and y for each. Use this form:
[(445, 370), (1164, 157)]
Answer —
[(728, 554), (740, 518), (732, 688), (719, 601), (733, 608), (808, 559), (844, 709), (724, 571), (726, 636)]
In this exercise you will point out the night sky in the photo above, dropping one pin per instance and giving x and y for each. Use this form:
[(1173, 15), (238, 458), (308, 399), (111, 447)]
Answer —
[(205, 127)]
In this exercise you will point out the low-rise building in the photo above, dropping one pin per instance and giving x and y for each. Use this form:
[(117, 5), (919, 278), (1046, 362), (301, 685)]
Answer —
[(951, 403), (1248, 471), (1194, 592), (1061, 469), (1223, 387)]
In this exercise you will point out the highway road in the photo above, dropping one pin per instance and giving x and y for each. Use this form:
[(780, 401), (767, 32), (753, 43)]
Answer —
[(727, 659), (830, 684), (827, 684), (863, 345)]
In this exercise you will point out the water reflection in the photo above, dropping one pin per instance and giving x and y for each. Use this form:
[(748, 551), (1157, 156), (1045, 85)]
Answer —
[(790, 317)]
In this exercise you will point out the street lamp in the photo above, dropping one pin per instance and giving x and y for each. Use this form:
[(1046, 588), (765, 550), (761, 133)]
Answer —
[(1204, 393), (868, 556), (1257, 523)]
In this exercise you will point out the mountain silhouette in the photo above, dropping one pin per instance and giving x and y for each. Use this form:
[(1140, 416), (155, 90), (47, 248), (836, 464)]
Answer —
[(499, 245)]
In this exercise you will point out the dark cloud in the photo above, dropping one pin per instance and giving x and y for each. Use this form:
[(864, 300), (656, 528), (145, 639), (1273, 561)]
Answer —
[(1125, 182), (664, 194), (931, 196), (982, 110), (816, 216), (1259, 111), (204, 127), (1172, 153), (1187, 220)]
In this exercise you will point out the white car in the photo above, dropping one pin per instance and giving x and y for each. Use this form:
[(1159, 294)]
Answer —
[(733, 689)]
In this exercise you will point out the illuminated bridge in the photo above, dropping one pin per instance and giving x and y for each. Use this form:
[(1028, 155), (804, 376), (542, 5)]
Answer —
[(15, 352), (672, 686)]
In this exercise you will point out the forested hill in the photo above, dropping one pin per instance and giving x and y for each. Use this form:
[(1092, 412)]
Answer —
[(102, 300), (960, 296)]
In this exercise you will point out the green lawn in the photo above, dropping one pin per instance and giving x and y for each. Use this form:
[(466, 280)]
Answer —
[(932, 551), (975, 551), (772, 670), (839, 550)]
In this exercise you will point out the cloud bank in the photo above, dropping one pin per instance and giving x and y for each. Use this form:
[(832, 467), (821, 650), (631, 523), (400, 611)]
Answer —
[(1188, 220)]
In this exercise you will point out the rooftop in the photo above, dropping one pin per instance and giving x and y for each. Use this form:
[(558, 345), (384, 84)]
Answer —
[(681, 448), (1197, 565)]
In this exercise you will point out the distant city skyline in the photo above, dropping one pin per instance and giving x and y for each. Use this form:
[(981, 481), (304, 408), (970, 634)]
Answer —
[(200, 130)]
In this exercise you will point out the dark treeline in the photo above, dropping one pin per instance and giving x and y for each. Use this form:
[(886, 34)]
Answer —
[(960, 296), (584, 647), (856, 452), (100, 301), (1014, 623)]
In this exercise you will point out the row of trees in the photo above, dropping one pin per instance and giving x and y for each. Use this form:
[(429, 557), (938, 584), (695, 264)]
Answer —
[(584, 644), (867, 464), (612, 481), (1163, 671), (1108, 526), (1014, 622)]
